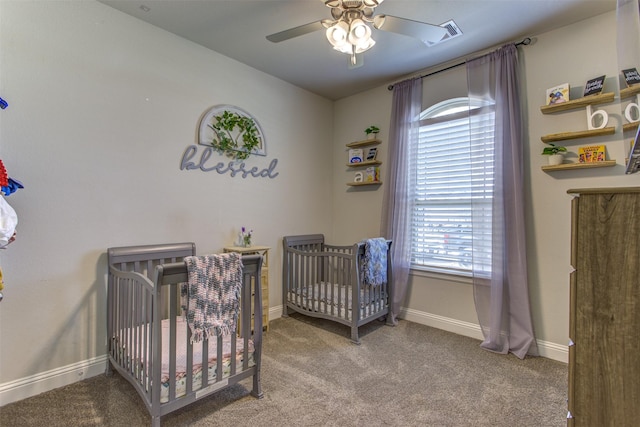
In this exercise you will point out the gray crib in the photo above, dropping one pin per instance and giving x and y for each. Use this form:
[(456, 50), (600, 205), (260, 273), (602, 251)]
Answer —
[(325, 281), (149, 342)]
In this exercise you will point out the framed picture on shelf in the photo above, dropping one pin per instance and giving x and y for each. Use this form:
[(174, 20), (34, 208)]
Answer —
[(558, 94), (372, 174), (631, 76), (372, 153), (594, 86), (355, 155), (591, 153)]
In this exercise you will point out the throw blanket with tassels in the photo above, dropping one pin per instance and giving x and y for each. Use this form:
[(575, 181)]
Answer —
[(211, 298), (374, 262)]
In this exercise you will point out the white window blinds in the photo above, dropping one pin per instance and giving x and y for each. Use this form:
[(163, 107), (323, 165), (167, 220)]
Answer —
[(447, 161)]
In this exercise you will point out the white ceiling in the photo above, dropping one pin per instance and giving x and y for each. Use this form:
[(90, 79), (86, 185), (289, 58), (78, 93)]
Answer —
[(237, 29)]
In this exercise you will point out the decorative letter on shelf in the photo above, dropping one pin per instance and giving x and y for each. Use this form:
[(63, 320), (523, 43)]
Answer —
[(591, 115), (628, 112)]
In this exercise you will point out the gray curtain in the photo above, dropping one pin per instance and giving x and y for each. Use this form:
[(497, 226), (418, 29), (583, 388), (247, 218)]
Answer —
[(398, 195), (501, 295)]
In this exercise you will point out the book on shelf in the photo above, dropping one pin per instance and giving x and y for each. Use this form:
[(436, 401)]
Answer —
[(591, 153), (372, 153), (631, 76), (633, 165), (594, 86), (372, 174), (355, 155), (558, 94)]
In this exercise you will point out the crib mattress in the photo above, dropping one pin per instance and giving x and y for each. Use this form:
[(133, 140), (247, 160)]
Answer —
[(323, 296), (181, 359)]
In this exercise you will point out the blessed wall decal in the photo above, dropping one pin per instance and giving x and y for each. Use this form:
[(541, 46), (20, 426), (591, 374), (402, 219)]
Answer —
[(233, 168), (232, 132)]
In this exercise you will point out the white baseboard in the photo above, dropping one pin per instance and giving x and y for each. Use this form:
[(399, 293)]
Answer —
[(545, 348), (30, 386), (275, 312)]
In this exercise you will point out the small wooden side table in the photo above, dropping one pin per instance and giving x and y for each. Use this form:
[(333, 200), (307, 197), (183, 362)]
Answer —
[(264, 278)]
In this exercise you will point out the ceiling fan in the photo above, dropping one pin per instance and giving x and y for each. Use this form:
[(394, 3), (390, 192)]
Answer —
[(349, 31)]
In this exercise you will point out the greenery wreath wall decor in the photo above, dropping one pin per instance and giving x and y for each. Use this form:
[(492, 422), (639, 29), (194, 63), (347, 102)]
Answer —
[(232, 132)]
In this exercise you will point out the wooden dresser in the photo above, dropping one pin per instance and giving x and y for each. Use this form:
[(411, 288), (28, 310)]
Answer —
[(264, 278), (604, 328)]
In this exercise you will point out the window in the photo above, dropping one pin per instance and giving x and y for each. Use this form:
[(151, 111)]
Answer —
[(448, 187)]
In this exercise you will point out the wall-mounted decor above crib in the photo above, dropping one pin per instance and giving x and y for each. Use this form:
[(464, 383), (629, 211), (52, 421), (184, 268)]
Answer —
[(231, 132)]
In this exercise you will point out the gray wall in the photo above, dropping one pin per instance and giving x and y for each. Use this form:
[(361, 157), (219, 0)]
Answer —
[(101, 108), (572, 54)]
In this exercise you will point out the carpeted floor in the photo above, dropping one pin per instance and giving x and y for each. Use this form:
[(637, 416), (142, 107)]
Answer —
[(312, 375)]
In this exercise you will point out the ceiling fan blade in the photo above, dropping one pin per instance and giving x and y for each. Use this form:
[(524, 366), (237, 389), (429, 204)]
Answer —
[(427, 33), (295, 32)]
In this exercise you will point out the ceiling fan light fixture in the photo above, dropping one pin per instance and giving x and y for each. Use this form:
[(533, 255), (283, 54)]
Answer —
[(363, 47), (372, 3), (337, 35), (378, 21), (359, 33), (349, 31), (337, 13), (327, 23)]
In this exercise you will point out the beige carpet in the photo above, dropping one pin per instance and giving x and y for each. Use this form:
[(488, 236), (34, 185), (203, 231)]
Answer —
[(312, 375)]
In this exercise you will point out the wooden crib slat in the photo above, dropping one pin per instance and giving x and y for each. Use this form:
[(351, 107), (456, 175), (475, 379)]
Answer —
[(219, 357), (330, 289), (145, 336), (189, 383), (333, 274), (135, 348), (233, 352), (297, 283), (308, 279), (129, 323), (172, 341), (205, 362)]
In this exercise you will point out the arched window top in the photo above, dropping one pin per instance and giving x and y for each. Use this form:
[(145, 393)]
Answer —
[(453, 108)]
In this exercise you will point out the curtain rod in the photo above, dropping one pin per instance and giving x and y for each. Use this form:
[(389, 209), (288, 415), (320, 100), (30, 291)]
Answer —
[(526, 41)]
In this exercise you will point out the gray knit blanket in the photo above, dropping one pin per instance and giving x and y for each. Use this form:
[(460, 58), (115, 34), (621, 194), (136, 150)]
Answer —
[(211, 297)]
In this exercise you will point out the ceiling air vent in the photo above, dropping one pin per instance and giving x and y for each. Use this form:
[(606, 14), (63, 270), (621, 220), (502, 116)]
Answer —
[(452, 31)]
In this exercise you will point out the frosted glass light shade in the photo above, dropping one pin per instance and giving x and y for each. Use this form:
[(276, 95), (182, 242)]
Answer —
[(337, 35)]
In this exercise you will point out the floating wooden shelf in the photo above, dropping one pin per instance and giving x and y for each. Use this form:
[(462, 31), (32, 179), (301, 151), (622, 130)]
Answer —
[(603, 98), (375, 162), (363, 143), (571, 166), (579, 134), (630, 126), (365, 163), (359, 184), (629, 91)]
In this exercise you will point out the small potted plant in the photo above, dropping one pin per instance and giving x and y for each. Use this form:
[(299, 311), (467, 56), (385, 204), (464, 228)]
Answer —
[(372, 132), (245, 237), (555, 153)]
